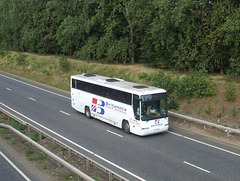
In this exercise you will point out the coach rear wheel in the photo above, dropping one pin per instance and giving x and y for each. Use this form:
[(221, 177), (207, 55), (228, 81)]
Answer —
[(126, 126), (87, 112)]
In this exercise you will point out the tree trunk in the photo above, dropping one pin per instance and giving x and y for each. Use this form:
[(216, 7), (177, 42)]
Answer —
[(132, 51)]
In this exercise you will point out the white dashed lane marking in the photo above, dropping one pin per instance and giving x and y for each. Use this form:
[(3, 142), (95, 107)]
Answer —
[(114, 133), (192, 165), (65, 113), (32, 99)]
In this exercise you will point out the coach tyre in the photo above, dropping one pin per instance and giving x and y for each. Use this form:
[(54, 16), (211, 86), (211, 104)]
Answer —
[(87, 112), (126, 126)]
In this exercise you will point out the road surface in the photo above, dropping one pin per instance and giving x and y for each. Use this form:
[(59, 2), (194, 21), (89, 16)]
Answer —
[(174, 155)]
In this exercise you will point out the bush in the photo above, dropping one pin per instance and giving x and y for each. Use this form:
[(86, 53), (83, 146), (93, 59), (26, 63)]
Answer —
[(18, 126), (234, 67), (143, 75), (29, 150), (146, 76), (230, 93), (126, 77), (35, 137), (47, 72), (2, 53), (195, 84), (64, 64), (208, 109), (21, 59), (166, 82)]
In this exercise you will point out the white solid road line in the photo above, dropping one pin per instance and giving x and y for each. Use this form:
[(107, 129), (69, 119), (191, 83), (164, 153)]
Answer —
[(47, 129), (55, 132), (32, 99), (73, 142), (65, 113), (14, 166), (206, 144), (114, 133), (197, 141), (35, 87), (196, 166), (130, 173)]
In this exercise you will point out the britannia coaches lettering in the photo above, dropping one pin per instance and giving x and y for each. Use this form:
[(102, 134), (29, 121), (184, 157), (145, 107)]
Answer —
[(135, 108)]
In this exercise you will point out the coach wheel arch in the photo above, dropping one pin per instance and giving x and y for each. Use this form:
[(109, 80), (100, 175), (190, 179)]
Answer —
[(87, 112), (126, 126)]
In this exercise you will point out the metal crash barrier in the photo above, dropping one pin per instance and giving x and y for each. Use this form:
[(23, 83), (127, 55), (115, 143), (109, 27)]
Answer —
[(199, 121), (111, 174)]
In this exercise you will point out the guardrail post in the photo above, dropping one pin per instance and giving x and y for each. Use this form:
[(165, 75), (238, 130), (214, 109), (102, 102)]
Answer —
[(87, 164), (199, 121), (79, 178), (110, 176), (28, 128), (69, 152), (53, 143), (59, 165), (40, 136), (59, 161)]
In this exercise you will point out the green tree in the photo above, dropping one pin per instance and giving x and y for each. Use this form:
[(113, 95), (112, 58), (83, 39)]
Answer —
[(219, 50), (232, 40), (11, 22), (113, 44), (177, 34), (66, 24), (184, 35), (91, 22), (135, 17)]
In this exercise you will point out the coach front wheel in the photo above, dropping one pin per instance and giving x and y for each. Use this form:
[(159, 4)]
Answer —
[(87, 112), (126, 126)]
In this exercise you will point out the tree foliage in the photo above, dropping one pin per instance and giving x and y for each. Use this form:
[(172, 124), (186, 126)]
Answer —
[(182, 35)]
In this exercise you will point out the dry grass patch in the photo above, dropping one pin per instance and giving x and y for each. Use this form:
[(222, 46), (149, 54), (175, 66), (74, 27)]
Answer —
[(46, 69)]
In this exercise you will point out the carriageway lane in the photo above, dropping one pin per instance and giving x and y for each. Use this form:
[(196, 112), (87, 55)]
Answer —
[(165, 156), (14, 166), (9, 171)]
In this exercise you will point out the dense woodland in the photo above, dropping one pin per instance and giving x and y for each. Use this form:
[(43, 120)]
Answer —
[(169, 34)]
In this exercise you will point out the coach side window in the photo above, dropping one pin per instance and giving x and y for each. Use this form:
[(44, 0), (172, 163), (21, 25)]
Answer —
[(136, 108), (78, 84), (74, 83)]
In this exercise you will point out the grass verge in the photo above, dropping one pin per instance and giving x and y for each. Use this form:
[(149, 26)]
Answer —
[(56, 71), (41, 160)]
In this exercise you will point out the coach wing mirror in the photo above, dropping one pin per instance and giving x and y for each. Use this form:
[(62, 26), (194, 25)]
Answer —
[(172, 101)]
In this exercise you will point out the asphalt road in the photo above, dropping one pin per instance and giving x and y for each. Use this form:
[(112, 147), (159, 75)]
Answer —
[(9, 171), (14, 166), (174, 155)]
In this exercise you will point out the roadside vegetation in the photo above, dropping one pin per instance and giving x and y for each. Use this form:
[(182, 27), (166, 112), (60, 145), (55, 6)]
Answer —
[(179, 35), (175, 45), (32, 154), (47, 165), (215, 98)]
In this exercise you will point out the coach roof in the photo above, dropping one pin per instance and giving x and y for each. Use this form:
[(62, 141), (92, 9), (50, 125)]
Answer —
[(119, 84)]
